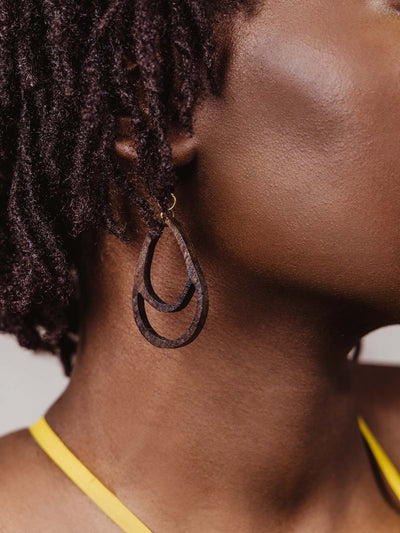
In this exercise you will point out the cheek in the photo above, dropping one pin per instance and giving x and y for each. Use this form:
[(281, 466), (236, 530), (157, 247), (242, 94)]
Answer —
[(299, 169)]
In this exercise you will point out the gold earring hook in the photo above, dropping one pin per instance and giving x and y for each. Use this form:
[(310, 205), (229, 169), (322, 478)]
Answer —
[(171, 209)]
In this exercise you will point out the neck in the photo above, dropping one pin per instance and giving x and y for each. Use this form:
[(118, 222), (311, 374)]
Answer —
[(254, 422)]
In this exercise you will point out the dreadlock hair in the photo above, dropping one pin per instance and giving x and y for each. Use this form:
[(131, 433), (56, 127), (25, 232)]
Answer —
[(63, 81)]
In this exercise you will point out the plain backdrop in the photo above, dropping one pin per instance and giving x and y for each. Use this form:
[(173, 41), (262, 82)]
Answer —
[(30, 382)]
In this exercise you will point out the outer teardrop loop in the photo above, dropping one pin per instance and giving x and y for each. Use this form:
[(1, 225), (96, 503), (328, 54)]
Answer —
[(144, 291)]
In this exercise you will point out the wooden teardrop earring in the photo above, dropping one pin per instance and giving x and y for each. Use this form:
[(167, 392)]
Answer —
[(143, 290)]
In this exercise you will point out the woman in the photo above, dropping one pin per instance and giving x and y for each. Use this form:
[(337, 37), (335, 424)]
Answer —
[(285, 175)]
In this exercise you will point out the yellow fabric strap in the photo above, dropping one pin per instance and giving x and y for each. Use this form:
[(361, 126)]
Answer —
[(389, 471), (49, 441)]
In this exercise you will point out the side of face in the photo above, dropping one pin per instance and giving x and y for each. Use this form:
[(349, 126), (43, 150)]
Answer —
[(298, 171)]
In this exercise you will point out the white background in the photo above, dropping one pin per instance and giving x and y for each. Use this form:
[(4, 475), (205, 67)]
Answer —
[(30, 382)]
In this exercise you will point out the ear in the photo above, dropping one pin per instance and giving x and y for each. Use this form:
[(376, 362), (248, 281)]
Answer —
[(183, 147)]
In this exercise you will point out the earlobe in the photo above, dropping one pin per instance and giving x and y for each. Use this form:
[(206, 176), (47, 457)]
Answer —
[(183, 146)]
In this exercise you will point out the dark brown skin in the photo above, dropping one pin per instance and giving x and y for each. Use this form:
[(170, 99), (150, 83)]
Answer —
[(293, 210)]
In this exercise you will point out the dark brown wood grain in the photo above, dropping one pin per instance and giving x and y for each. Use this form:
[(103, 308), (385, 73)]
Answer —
[(143, 289)]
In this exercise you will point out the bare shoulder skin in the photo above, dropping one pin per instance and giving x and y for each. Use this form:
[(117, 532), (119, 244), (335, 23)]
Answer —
[(26, 485), (37, 497), (22, 490)]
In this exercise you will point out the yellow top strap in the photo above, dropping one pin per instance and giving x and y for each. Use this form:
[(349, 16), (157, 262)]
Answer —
[(389, 471), (116, 510), (49, 441)]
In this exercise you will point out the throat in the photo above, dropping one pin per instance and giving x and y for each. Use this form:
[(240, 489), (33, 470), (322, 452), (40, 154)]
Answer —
[(218, 439), (253, 426)]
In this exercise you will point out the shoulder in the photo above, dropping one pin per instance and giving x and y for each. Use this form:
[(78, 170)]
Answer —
[(36, 495), (378, 398), (15, 454), (28, 500), (17, 467)]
